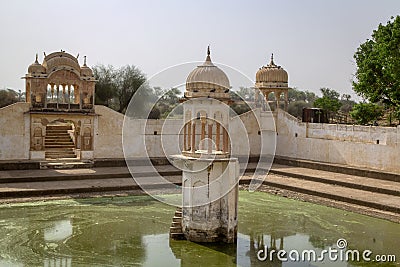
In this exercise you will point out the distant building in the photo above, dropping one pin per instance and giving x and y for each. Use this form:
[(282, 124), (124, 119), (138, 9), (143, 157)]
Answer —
[(60, 94)]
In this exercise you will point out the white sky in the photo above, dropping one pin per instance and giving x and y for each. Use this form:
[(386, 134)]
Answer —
[(313, 40)]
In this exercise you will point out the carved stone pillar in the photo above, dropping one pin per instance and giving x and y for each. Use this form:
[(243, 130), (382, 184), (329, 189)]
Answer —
[(193, 148), (58, 94), (185, 137), (225, 140), (218, 137), (189, 134), (209, 143), (203, 133)]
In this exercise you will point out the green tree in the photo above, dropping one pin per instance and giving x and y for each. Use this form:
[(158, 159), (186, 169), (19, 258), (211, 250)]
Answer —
[(129, 79), (378, 65), (244, 93), (119, 84), (296, 95), (329, 101), (310, 97), (105, 89), (347, 103), (296, 108), (365, 113), (165, 102), (8, 97)]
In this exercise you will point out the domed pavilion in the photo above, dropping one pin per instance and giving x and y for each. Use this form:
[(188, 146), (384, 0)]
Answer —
[(209, 175), (273, 79), (60, 84)]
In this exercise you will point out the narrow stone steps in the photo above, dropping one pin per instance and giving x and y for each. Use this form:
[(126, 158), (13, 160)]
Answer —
[(59, 142), (83, 174), (59, 145), (176, 219), (60, 149), (60, 156), (59, 127), (178, 213), (336, 192), (63, 152), (175, 230), (60, 153), (48, 188), (350, 181), (57, 135), (65, 163)]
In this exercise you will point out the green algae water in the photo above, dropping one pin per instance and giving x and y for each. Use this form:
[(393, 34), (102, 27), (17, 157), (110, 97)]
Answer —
[(133, 231)]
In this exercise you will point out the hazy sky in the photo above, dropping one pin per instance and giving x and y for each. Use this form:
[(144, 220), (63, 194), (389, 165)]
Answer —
[(313, 40)]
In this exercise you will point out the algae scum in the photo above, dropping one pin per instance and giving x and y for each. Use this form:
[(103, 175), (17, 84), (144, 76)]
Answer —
[(133, 231)]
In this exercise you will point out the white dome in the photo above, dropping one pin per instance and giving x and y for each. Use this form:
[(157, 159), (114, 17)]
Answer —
[(207, 80)]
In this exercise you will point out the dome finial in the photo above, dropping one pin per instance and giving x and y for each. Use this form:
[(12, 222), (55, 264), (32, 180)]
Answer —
[(36, 59), (208, 59), (84, 61), (272, 60)]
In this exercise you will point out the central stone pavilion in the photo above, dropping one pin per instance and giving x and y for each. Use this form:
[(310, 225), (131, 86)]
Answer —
[(210, 175)]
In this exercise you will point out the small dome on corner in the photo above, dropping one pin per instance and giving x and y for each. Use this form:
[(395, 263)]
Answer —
[(271, 73), (36, 67)]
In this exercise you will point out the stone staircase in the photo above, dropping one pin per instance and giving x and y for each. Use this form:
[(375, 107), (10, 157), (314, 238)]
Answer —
[(58, 142), (175, 231)]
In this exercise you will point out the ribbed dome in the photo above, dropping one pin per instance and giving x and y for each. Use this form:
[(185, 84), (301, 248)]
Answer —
[(206, 79), (36, 68), (271, 74), (61, 59)]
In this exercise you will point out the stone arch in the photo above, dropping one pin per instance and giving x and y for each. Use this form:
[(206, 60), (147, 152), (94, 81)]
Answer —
[(201, 114), (37, 132)]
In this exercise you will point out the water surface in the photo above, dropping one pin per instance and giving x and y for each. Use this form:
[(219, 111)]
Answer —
[(133, 231)]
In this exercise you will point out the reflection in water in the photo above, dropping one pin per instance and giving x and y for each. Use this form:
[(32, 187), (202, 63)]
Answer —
[(58, 262), (133, 231), (60, 231)]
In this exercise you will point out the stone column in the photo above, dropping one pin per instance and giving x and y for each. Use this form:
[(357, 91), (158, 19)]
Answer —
[(189, 130), (64, 92), (58, 93), (69, 96), (185, 137), (193, 148), (209, 145), (46, 95), (203, 133), (51, 92), (225, 140), (218, 137)]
